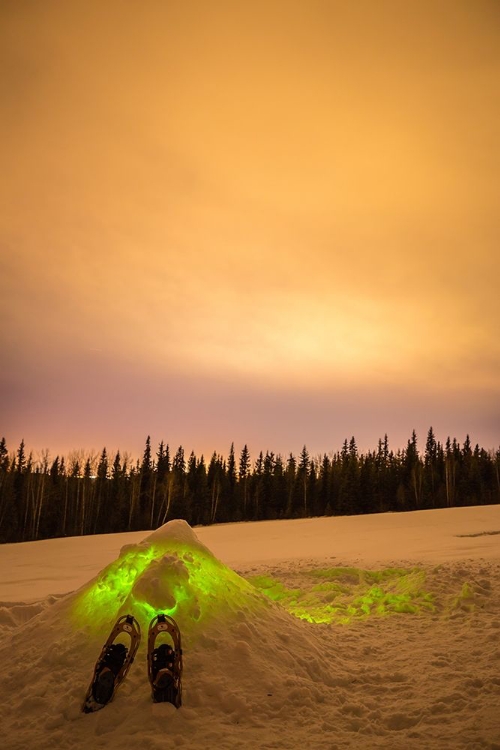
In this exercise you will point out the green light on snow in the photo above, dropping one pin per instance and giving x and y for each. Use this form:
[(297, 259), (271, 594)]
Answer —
[(344, 594), (172, 572), (178, 577), (465, 600)]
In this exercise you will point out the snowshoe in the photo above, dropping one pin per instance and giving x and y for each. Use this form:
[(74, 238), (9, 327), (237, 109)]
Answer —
[(113, 664), (165, 661)]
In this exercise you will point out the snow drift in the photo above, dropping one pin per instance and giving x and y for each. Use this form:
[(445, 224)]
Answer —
[(170, 571), (227, 627)]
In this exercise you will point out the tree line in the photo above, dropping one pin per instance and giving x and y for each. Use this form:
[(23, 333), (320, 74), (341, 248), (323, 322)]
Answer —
[(98, 494)]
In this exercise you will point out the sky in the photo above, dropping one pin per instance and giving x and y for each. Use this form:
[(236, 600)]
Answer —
[(272, 223)]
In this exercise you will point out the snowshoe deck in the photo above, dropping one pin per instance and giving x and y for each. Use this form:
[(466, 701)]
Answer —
[(113, 664), (165, 661)]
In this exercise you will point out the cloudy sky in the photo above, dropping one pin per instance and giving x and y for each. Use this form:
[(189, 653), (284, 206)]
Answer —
[(270, 222)]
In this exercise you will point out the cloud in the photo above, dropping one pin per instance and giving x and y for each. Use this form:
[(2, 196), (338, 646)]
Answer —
[(301, 200)]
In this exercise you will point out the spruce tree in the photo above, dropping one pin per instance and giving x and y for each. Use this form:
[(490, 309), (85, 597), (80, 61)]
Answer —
[(214, 481), (268, 499), (4, 456), (324, 490), (302, 479), (430, 469), (178, 507), (243, 474), (9, 509), (290, 475)]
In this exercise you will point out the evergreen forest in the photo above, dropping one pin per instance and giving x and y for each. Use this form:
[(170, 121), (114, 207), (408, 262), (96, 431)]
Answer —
[(98, 493)]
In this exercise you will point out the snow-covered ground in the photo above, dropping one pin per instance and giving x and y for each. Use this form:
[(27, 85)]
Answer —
[(378, 631)]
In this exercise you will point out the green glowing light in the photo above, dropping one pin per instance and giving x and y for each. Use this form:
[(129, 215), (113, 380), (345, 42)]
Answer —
[(345, 594), (179, 578), (171, 572), (464, 601)]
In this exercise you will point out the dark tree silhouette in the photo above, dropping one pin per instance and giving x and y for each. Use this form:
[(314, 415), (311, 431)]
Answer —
[(87, 494)]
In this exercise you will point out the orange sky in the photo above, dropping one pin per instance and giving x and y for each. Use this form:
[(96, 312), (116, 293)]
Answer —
[(268, 222)]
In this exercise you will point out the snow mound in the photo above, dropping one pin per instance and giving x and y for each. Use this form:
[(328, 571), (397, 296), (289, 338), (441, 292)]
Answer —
[(172, 572), (178, 531)]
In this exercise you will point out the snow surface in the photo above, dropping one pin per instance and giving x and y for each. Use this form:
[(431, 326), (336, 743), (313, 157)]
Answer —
[(405, 652)]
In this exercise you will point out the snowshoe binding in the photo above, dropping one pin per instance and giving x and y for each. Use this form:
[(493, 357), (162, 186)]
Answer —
[(165, 661), (113, 664)]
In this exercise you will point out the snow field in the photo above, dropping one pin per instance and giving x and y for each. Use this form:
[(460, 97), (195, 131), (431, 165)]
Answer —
[(255, 675)]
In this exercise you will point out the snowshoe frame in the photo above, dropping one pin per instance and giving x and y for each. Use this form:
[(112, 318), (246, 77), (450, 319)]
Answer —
[(124, 624), (173, 692)]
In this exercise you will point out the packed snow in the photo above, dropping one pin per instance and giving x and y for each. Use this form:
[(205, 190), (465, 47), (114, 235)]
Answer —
[(379, 631)]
